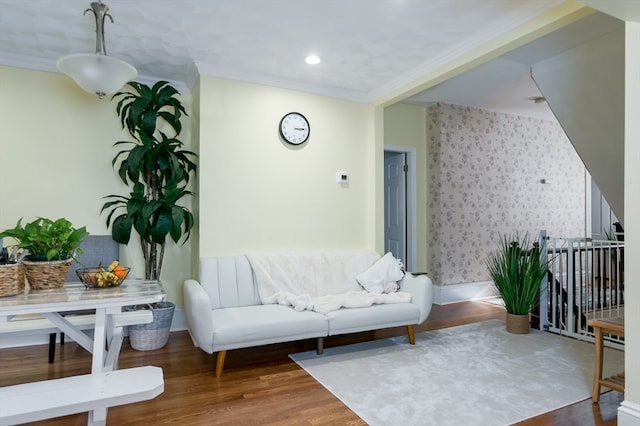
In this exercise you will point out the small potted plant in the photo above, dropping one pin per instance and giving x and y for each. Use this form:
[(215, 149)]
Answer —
[(517, 269), (50, 245)]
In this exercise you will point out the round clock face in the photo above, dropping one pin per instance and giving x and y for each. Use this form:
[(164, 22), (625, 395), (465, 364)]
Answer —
[(294, 128)]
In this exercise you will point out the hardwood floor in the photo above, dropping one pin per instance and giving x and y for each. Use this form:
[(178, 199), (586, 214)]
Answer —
[(259, 386)]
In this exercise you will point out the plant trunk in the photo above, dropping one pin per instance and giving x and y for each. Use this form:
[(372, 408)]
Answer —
[(152, 259), (145, 256), (159, 263), (152, 273)]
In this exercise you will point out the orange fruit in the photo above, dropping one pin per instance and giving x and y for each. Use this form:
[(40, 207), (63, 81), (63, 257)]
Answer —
[(120, 272)]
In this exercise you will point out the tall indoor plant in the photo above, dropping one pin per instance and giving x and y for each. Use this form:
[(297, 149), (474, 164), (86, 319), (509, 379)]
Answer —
[(517, 269), (157, 169)]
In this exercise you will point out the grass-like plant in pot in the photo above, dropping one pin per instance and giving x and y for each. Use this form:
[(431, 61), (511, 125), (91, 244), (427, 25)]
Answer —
[(51, 246), (517, 268)]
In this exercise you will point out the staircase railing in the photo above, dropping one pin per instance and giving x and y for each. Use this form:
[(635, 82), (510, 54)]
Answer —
[(585, 281)]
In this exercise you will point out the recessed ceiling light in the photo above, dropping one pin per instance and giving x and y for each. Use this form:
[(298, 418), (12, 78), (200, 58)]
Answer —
[(312, 60)]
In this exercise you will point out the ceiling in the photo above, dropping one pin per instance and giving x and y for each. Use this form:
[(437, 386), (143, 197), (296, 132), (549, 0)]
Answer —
[(505, 84), (368, 48)]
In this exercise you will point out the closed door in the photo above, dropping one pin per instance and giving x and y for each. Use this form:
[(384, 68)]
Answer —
[(395, 205)]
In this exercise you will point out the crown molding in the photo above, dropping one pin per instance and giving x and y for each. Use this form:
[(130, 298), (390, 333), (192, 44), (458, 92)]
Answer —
[(29, 62), (211, 70)]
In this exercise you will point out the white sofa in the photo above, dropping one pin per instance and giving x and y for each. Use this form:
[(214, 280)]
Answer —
[(224, 309)]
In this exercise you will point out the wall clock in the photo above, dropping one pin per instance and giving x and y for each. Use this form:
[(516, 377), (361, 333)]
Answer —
[(294, 128)]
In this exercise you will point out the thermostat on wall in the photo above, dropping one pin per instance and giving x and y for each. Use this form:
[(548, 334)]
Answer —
[(342, 177)]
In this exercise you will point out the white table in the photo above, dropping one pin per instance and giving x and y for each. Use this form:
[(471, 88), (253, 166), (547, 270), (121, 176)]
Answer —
[(107, 341), (75, 297)]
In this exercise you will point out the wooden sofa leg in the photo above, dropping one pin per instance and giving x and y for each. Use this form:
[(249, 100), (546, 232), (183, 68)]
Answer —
[(220, 362), (320, 345), (411, 334)]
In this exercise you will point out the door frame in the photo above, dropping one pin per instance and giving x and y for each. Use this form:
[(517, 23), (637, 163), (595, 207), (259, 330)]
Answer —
[(411, 198)]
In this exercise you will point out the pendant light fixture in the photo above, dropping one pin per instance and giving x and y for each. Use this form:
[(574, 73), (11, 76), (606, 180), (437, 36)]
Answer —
[(96, 72)]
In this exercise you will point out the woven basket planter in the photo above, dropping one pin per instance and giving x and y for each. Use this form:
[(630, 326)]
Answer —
[(152, 336), (46, 275), (517, 324), (11, 279)]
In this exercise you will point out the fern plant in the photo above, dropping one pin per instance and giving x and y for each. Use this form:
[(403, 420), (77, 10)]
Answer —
[(517, 269)]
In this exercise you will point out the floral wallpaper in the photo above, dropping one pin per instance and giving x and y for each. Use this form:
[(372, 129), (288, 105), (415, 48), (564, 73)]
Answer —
[(485, 174)]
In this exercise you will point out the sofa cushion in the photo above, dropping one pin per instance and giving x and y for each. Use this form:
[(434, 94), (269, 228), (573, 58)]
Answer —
[(371, 318), (244, 326), (382, 276), (229, 281)]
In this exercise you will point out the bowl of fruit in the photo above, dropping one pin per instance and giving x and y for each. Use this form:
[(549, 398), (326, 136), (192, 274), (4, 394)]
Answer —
[(101, 277)]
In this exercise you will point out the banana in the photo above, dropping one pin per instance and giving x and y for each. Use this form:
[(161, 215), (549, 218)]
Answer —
[(112, 266), (106, 277)]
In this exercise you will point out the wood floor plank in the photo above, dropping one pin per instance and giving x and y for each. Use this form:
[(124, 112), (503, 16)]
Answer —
[(259, 386)]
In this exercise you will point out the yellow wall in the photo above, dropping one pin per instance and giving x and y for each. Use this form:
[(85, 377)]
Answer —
[(259, 193), (55, 161), (55, 150), (255, 192), (405, 126)]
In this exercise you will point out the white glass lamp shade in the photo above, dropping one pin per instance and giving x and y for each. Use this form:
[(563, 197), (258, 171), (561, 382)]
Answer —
[(95, 73)]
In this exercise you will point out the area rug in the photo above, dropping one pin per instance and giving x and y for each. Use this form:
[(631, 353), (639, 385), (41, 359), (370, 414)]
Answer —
[(476, 374)]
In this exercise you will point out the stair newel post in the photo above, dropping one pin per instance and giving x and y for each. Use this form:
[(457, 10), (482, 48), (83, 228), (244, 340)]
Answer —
[(543, 307)]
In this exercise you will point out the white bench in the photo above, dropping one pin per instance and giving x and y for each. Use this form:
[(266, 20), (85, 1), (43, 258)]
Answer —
[(30, 324), (92, 393), (39, 325)]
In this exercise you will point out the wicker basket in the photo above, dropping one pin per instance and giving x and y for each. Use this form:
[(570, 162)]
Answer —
[(11, 279), (152, 336), (44, 275)]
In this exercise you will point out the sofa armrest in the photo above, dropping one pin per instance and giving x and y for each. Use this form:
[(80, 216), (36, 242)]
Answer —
[(197, 308), (421, 289)]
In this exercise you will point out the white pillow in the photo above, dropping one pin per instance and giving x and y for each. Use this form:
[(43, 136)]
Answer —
[(382, 276)]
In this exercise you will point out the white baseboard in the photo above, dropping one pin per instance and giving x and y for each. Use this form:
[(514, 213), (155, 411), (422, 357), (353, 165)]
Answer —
[(178, 323), (445, 294), (629, 414)]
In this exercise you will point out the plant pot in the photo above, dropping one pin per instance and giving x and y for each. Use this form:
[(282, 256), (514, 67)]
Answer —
[(45, 275), (11, 279), (518, 324)]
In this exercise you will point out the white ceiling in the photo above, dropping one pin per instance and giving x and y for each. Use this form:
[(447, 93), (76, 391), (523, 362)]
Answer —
[(368, 48), (505, 84)]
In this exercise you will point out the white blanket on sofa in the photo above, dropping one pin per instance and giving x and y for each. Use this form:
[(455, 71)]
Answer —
[(317, 281)]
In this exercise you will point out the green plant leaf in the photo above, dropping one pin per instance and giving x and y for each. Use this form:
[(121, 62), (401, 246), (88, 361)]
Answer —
[(43, 237), (518, 269)]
